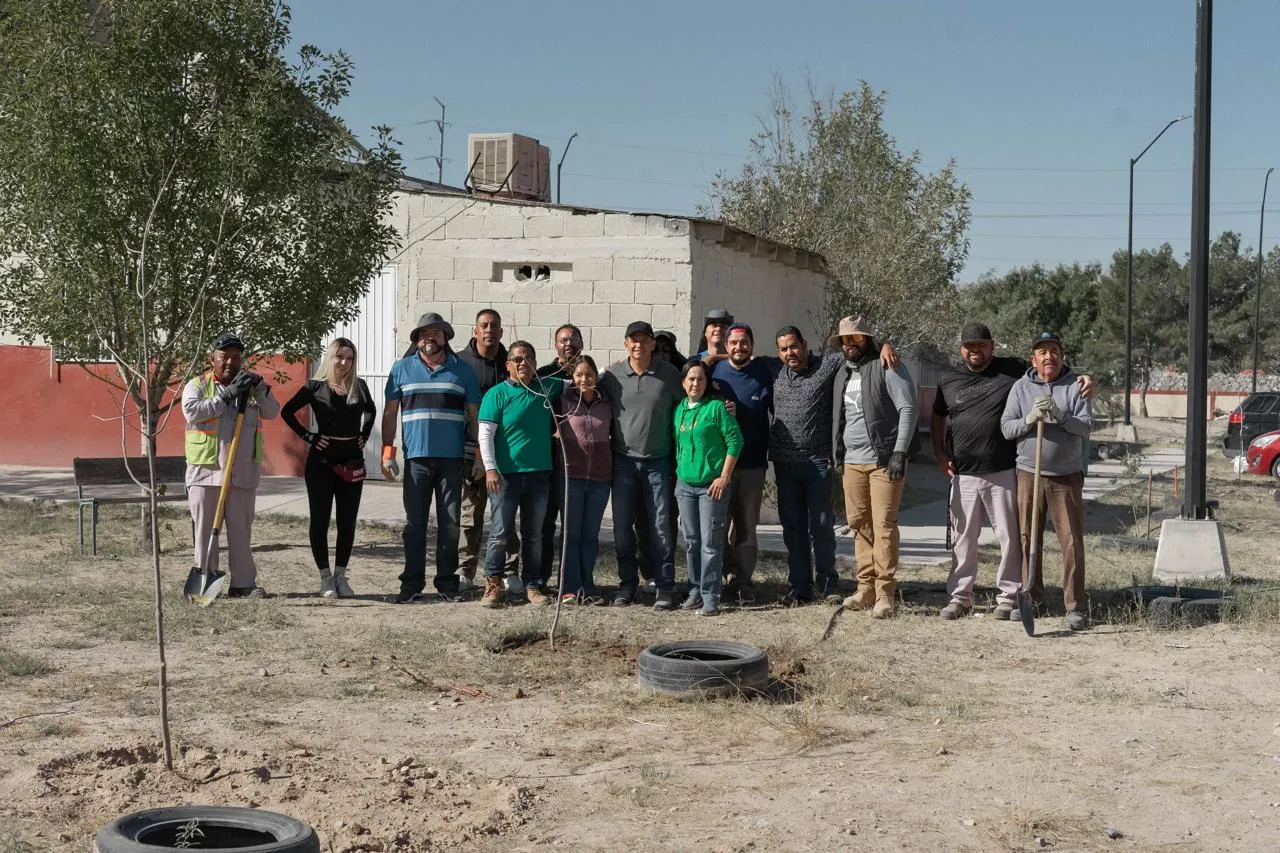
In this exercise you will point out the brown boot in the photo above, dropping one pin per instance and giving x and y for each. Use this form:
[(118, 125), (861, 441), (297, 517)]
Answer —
[(883, 609), (862, 599), (492, 592), (535, 596)]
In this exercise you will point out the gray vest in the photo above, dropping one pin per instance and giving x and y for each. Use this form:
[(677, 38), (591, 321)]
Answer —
[(878, 410)]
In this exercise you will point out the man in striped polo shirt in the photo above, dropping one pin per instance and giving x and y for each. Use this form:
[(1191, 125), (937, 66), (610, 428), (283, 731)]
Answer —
[(435, 393)]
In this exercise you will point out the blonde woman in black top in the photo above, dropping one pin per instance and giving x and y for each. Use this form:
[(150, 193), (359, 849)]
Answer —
[(344, 413)]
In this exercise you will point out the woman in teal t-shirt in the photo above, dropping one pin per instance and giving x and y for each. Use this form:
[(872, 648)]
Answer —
[(708, 442), (515, 444)]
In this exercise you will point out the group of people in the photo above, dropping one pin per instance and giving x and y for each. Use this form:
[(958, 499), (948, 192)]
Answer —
[(662, 438)]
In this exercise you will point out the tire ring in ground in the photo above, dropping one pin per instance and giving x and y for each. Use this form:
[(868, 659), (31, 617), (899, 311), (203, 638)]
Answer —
[(151, 830), (699, 668), (1169, 612)]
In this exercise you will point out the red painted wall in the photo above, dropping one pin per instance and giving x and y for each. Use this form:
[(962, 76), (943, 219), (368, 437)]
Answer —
[(53, 412)]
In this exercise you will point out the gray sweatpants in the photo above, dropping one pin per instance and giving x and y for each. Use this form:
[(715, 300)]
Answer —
[(237, 529), (975, 498)]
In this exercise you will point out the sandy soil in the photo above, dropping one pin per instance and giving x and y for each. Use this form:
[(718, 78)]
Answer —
[(445, 726)]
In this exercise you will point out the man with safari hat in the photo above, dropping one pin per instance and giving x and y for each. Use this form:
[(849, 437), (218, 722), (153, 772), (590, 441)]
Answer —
[(209, 403), (873, 419), (436, 394)]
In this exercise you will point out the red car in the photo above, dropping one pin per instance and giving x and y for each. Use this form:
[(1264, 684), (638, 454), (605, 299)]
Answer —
[(1263, 454)]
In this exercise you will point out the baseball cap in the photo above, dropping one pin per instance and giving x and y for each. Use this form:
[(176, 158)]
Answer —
[(1046, 338), (744, 327), (227, 340), (975, 332), (639, 327)]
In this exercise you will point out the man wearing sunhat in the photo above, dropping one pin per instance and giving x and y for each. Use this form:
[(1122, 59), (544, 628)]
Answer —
[(209, 405), (715, 330), (873, 419), (436, 394), (1049, 393)]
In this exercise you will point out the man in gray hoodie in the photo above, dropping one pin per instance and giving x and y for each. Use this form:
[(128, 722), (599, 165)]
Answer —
[(1049, 393)]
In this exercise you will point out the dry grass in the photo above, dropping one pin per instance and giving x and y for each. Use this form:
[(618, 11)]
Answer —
[(16, 664), (1035, 828)]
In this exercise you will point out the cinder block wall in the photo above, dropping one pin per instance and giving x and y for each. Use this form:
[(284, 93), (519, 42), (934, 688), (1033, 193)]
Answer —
[(459, 255)]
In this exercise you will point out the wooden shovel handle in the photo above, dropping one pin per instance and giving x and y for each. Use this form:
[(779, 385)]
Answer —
[(225, 489)]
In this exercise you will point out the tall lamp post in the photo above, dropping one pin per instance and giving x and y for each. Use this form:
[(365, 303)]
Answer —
[(1257, 291), (1127, 432)]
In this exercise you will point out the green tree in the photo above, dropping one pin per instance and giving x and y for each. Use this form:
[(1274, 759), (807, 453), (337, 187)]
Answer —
[(1028, 300), (833, 181), (1159, 318), (166, 173)]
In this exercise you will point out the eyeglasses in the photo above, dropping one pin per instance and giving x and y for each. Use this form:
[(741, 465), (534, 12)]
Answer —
[(520, 359)]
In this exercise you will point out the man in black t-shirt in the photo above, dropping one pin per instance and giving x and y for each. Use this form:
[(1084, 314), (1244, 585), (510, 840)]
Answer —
[(970, 448)]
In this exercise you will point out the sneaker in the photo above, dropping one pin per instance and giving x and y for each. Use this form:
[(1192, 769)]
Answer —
[(465, 584), (1005, 612), (956, 610), (795, 598), (327, 589), (651, 587), (710, 606), (568, 598), (535, 596), (693, 602), (513, 585), (1016, 613), (664, 600), (883, 609), (343, 588), (246, 592), (746, 594), (492, 592), (625, 596), (1077, 620), (409, 597), (830, 590), (592, 599), (833, 598)]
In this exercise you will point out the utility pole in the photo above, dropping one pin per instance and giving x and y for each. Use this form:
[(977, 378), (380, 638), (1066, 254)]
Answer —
[(440, 126), (560, 165)]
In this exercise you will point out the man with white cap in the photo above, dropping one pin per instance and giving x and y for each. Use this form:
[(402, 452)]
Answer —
[(438, 393)]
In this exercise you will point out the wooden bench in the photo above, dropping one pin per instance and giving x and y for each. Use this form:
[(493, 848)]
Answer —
[(112, 476)]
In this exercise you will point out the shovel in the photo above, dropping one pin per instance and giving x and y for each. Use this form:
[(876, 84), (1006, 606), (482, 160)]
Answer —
[(1027, 607), (203, 584)]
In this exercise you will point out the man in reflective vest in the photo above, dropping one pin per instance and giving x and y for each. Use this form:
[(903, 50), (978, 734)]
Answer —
[(209, 404)]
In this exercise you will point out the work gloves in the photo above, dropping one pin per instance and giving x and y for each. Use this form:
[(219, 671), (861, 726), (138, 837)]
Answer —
[(390, 467), (242, 384), (897, 467), (1044, 409)]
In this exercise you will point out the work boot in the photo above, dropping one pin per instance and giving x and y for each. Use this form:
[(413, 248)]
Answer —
[(327, 589), (254, 592), (340, 584), (625, 596), (535, 596), (1004, 611), (956, 610), (883, 609), (664, 600), (492, 592), (693, 602), (1077, 620), (862, 599)]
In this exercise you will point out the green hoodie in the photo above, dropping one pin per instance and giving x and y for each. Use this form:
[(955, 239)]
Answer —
[(705, 434)]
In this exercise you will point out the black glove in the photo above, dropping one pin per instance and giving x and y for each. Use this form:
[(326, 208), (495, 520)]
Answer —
[(243, 383), (897, 467)]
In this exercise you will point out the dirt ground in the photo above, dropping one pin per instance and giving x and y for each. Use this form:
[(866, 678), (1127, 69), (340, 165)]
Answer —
[(449, 727)]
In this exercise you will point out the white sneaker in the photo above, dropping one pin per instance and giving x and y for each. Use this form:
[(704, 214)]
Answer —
[(513, 585), (327, 589)]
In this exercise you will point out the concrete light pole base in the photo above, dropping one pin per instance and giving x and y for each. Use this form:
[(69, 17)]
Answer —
[(1191, 549), (1128, 433)]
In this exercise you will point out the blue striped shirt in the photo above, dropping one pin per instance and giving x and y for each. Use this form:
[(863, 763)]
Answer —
[(433, 405)]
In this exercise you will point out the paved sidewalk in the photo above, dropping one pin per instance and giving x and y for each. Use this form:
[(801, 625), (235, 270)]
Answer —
[(923, 527)]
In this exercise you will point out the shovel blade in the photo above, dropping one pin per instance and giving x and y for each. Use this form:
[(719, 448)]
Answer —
[(1027, 610), (203, 587)]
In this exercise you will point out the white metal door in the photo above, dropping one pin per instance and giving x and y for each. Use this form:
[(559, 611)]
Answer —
[(373, 332)]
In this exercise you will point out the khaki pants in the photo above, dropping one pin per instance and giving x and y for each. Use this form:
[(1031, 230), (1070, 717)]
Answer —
[(237, 530), (1062, 499), (741, 549), (871, 505), (474, 543)]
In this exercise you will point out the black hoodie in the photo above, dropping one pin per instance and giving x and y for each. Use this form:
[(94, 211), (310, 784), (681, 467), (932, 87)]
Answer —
[(490, 371)]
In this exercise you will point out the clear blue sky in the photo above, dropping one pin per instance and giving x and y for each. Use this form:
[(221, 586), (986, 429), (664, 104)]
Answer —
[(1040, 103)]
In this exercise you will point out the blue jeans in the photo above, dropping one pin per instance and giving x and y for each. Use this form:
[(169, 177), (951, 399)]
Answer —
[(526, 492), (425, 478), (804, 508), (702, 522), (646, 481), (587, 500)]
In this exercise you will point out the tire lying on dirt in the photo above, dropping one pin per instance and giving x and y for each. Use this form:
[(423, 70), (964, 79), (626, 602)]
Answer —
[(1169, 612), (698, 668), (206, 827)]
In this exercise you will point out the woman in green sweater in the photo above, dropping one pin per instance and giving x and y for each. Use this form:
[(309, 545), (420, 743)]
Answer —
[(708, 442)]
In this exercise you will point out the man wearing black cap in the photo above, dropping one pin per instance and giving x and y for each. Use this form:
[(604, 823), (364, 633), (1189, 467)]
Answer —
[(643, 392), (715, 329), (970, 448), (439, 395), (209, 404)]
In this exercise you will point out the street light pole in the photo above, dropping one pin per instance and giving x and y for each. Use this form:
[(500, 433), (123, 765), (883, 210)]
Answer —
[(1257, 290), (1128, 301)]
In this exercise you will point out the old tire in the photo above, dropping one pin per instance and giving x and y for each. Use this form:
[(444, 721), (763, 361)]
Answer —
[(226, 828), (1169, 612), (698, 668)]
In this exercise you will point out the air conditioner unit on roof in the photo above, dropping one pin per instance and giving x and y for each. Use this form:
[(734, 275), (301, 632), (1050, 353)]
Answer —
[(515, 164)]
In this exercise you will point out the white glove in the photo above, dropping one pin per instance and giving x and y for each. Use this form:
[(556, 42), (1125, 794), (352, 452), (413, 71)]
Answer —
[(1049, 409), (1034, 416)]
